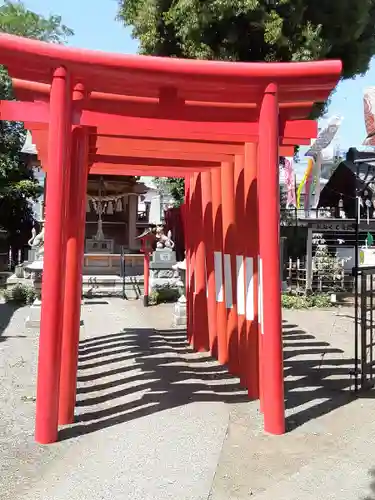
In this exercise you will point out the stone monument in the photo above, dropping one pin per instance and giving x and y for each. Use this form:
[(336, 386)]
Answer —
[(35, 269), (162, 273)]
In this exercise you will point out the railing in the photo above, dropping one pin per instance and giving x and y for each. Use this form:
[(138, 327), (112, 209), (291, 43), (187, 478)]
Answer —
[(364, 327), (290, 214)]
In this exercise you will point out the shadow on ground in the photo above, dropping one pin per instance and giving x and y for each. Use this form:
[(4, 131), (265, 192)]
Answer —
[(139, 372), (318, 376), (371, 496), (6, 312)]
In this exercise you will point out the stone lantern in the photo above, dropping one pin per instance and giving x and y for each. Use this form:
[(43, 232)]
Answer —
[(180, 315)]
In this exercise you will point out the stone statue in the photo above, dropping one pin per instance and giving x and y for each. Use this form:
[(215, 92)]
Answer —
[(35, 268), (164, 241), (36, 242)]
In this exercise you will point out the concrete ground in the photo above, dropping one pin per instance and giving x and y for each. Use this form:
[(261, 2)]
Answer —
[(156, 421), (328, 452)]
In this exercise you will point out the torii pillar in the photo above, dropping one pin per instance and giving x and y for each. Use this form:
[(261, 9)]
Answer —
[(269, 265)]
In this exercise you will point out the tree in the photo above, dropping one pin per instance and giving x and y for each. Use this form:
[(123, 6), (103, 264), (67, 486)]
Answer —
[(175, 187), (255, 30), (17, 183), (16, 19)]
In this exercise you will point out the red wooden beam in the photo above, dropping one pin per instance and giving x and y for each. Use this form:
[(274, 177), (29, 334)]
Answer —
[(133, 168), (24, 111), (297, 132), (217, 139), (142, 72), (105, 150), (99, 168), (188, 163), (155, 108), (119, 146), (148, 166), (152, 155)]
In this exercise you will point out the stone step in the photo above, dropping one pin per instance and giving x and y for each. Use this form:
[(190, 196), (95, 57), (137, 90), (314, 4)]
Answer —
[(99, 285)]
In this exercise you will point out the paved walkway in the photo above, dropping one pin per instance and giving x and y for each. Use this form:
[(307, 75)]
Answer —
[(155, 421), (151, 416), (328, 453)]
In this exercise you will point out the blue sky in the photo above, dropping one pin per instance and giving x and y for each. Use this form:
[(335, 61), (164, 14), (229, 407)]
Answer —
[(95, 27)]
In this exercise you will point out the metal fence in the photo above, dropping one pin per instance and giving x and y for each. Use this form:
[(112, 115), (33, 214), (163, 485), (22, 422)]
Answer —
[(322, 280)]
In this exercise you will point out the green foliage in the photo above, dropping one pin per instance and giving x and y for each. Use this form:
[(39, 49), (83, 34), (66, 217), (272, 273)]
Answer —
[(16, 19), (256, 30), (173, 186), (328, 267), (20, 294), (17, 183), (296, 301), (164, 294)]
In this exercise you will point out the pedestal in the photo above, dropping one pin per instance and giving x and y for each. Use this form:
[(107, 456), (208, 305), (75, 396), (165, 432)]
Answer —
[(180, 309), (33, 320), (180, 314), (162, 274), (36, 270)]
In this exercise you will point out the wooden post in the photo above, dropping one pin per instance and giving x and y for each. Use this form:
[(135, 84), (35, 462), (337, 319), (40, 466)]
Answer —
[(53, 273), (75, 224), (221, 319), (229, 256), (309, 261), (269, 264)]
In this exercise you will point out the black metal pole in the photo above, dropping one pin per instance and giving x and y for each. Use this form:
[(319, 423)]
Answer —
[(123, 271), (354, 156), (356, 282)]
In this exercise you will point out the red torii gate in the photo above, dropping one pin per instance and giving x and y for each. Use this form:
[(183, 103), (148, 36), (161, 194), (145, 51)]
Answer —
[(112, 148), (177, 100)]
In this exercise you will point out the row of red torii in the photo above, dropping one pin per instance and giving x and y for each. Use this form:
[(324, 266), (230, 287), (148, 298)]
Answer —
[(221, 126)]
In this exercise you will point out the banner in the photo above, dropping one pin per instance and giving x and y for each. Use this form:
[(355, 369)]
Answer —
[(369, 111), (325, 137), (306, 181), (290, 184), (314, 153)]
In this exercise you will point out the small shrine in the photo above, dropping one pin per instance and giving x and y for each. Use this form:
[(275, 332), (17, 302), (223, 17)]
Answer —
[(111, 222), (117, 212)]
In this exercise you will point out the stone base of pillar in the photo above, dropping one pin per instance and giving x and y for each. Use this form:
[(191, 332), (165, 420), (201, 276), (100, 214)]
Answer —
[(33, 320), (179, 315)]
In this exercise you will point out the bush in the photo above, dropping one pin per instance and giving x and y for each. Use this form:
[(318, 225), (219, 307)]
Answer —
[(163, 295), (20, 294), (294, 301)]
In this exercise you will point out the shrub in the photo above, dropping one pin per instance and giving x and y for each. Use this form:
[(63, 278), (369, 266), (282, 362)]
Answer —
[(20, 294), (165, 294), (295, 301)]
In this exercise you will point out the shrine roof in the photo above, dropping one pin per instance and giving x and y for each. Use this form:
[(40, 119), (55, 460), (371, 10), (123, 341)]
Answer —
[(146, 76)]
